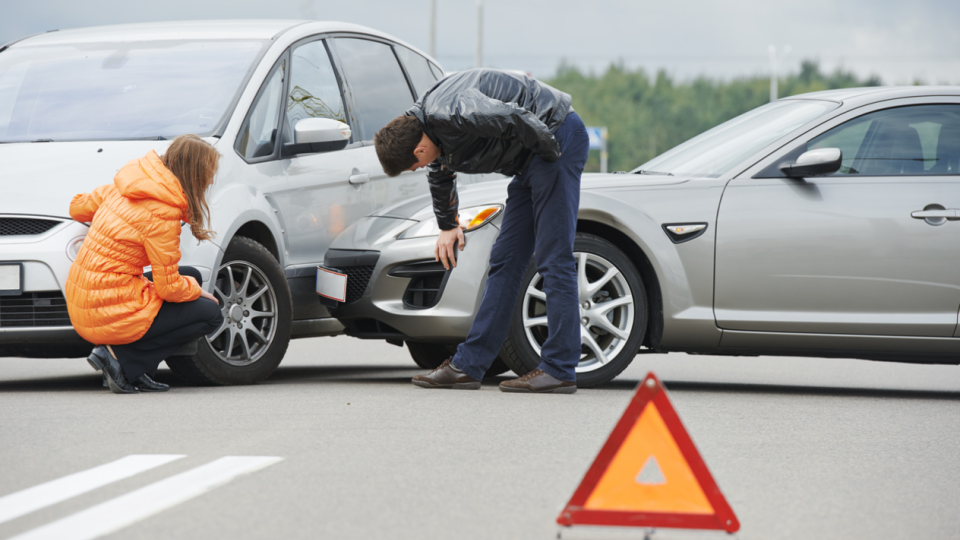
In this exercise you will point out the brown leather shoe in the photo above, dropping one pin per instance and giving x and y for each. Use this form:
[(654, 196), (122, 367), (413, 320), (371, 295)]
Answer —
[(539, 382), (446, 376)]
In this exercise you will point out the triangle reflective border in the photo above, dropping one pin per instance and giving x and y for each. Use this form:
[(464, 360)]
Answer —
[(649, 474)]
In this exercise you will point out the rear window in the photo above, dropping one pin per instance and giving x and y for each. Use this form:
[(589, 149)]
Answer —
[(141, 90)]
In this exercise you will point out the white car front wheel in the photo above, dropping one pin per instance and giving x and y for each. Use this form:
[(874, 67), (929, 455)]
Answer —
[(255, 299)]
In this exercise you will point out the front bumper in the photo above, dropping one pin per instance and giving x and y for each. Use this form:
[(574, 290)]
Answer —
[(408, 296), (36, 323)]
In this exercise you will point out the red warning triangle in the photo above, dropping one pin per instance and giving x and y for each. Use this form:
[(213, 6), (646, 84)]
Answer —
[(649, 474)]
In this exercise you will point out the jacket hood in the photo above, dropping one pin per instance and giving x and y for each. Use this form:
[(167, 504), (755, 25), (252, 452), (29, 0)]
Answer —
[(148, 178)]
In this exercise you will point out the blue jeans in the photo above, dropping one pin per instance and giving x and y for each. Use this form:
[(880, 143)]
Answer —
[(540, 220)]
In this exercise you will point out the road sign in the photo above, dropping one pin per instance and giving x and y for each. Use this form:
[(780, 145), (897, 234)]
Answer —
[(649, 474), (596, 137), (598, 141)]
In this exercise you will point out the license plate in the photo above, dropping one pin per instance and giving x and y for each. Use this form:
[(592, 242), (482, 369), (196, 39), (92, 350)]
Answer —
[(11, 279), (331, 284)]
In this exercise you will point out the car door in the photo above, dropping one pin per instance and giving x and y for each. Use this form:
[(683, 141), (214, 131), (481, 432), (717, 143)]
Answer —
[(256, 142), (850, 253), (379, 90), (325, 192)]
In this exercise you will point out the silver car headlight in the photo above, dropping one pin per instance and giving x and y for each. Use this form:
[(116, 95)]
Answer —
[(470, 219)]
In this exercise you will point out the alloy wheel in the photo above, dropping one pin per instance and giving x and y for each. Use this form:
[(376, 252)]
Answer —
[(249, 305), (607, 311)]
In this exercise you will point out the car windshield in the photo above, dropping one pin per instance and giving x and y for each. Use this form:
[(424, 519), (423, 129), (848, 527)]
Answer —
[(715, 152), (110, 91)]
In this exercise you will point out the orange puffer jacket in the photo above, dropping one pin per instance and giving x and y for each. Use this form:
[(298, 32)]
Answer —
[(136, 222)]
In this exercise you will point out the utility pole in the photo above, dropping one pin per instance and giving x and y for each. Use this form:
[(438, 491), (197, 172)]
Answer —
[(433, 28), (774, 61), (478, 54)]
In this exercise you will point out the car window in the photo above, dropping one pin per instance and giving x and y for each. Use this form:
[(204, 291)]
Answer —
[(914, 140), (258, 135), (313, 91), (375, 81), (418, 69)]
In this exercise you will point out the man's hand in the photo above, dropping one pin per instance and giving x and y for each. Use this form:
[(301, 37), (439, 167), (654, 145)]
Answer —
[(443, 252)]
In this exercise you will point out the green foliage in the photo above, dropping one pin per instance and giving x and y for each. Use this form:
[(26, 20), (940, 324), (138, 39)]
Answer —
[(646, 116)]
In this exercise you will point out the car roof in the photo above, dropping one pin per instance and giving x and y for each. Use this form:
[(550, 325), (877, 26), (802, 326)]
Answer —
[(879, 93), (256, 29), (178, 30), (214, 29)]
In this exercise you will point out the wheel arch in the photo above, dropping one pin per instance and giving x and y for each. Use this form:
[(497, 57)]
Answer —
[(642, 262), (259, 232)]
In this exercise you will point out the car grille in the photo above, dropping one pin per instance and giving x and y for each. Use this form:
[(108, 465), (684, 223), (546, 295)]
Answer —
[(357, 279), (424, 292), (358, 265), (34, 309), (25, 226), (427, 280)]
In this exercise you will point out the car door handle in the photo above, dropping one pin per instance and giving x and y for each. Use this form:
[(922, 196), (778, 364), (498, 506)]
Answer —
[(361, 178), (949, 213)]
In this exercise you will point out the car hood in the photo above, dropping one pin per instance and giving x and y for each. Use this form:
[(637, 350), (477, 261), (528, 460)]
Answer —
[(495, 192), (42, 178)]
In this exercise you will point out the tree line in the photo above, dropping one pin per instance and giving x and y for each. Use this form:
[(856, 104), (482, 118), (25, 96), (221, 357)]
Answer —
[(646, 116)]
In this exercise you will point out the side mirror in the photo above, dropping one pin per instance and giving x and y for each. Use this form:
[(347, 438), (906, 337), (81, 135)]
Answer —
[(314, 135), (814, 163)]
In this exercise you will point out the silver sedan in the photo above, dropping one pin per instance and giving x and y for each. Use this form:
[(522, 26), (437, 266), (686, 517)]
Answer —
[(826, 224)]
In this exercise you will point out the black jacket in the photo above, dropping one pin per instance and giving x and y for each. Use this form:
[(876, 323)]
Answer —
[(486, 121)]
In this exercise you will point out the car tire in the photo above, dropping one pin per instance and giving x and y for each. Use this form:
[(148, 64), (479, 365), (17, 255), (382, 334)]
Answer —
[(428, 355), (597, 256), (255, 299), (431, 355)]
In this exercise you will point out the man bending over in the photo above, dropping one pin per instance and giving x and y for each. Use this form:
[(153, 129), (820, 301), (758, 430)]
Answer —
[(490, 121)]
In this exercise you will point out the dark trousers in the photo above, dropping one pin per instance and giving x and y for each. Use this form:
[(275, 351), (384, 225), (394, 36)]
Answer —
[(176, 324), (540, 220)]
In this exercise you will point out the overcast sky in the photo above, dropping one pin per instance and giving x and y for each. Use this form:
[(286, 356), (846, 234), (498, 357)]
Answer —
[(899, 40)]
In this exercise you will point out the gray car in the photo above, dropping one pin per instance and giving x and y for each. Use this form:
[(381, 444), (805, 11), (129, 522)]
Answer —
[(826, 224)]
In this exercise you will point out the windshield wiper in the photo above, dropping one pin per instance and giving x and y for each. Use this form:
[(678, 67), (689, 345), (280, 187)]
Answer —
[(639, 171), (43, 140)]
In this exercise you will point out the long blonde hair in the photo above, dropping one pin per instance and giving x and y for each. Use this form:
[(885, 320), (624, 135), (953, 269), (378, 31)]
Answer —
[(194, 162)]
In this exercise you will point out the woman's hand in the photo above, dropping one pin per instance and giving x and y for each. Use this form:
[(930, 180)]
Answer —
[(443, 252), (205, 294)]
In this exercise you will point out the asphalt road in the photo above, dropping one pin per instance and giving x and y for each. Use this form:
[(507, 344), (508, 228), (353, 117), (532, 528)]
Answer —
[(802, 448)]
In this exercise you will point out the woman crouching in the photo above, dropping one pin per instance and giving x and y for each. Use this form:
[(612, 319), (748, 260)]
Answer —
[(137, 323)]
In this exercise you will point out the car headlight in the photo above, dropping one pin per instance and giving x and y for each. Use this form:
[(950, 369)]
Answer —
[(470, 219)]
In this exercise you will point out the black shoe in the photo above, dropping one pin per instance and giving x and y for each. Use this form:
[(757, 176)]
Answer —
[(94, 361), (97, 365), (111, 369), (146, 384)]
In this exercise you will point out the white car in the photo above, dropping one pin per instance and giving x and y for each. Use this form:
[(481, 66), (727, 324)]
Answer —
[(76, 105)]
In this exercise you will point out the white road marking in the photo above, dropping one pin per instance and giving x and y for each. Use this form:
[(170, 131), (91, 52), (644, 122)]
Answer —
[(125, 510), (23, 502)]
